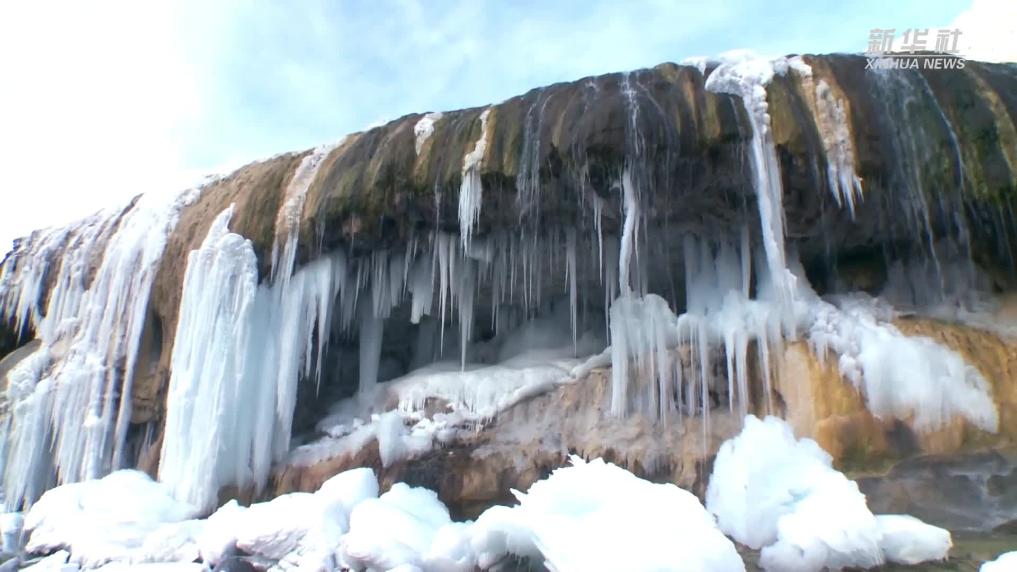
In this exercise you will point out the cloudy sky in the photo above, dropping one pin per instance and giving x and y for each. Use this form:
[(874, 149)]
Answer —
[(105, 99)]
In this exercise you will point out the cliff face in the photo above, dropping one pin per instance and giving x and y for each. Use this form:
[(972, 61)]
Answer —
[(892, 182)]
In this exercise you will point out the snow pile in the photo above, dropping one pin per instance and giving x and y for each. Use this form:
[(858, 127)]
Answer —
[(599, 504), (300, 529), (1004, 563), (102, 520), (56, 562), (127, 519), (767, 491), (406, 526), (771, 491), (557, 521)]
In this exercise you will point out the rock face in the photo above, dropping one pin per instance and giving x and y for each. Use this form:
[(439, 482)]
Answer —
[(894, 182)]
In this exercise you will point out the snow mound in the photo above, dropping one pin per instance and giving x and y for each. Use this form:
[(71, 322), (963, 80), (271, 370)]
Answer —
[(556, 522), (599, 504), (300, 528), (407, 527), (130, 521), (1005, 563), (771, 491), (102, 520)]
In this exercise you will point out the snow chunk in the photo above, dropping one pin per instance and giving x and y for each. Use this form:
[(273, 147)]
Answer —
[(218, 538), (102, 520), (272, 529), (174, 542), (349, 488), (399, 529), (1005, 563), (907, 540), (771, 491), (300, 528), (600, 504)]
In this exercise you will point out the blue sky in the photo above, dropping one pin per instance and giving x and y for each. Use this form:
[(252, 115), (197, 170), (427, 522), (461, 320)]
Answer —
[(106, 99)]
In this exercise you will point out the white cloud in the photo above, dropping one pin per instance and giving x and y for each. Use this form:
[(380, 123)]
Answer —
[(988, 30), (94, 96)]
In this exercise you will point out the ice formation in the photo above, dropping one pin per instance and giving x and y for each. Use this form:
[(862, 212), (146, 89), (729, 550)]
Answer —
[(746, 75), (220, 285), (240, 351), (288, 218), (835, 131), (771, 491), (70, 400), (423, 130), (529, 361), (900, 376), (471, 191)]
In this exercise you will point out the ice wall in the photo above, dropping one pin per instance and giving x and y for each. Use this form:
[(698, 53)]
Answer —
[(69, 403)]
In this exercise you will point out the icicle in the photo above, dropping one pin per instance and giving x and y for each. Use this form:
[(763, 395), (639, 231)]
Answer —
[(268, 334), (835, 130), (371, 331), (467, 284), (421, 286), (68, 251), (209, 405), (629, 231), (288, 217), (573, 290), (74, 395), (643, 330), (471, 190), (598, 224)]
